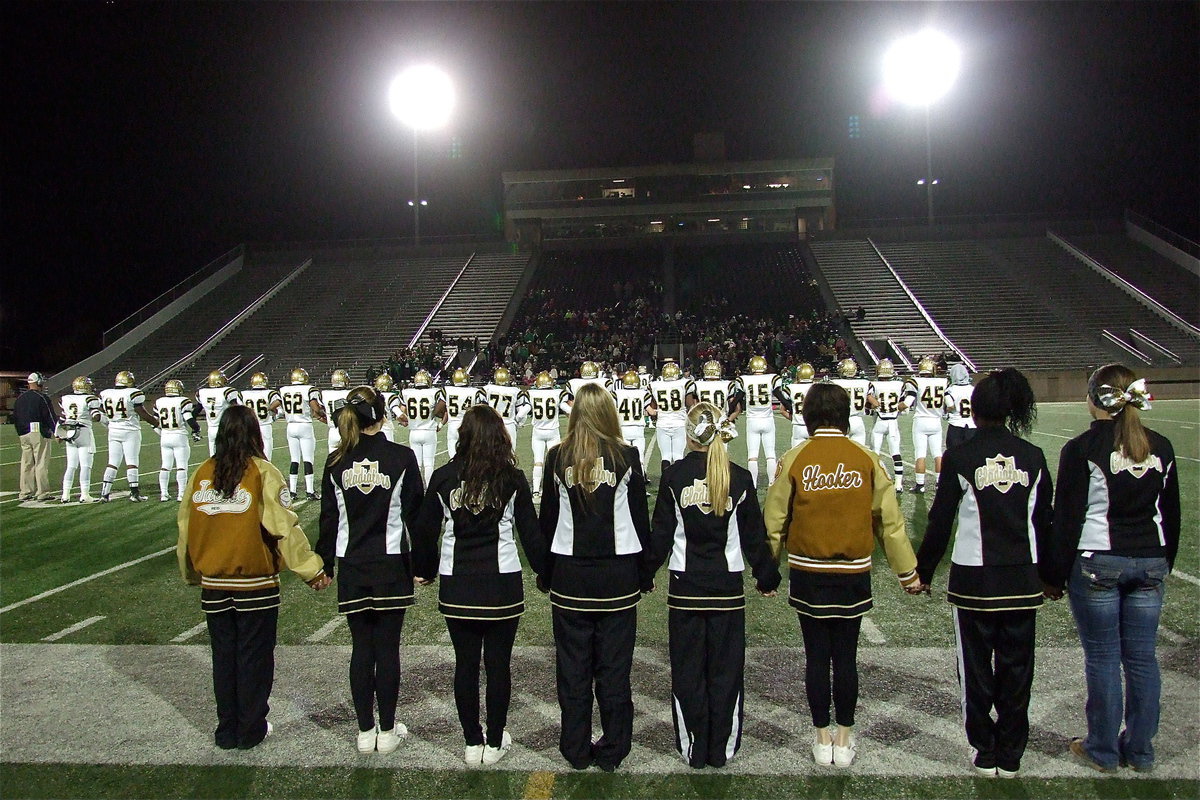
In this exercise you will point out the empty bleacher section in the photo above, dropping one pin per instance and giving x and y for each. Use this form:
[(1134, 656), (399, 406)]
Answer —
[(477, 301), (763, 279)]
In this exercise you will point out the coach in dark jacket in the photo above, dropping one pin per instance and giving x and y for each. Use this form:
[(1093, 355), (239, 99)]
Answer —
[(34, 417)]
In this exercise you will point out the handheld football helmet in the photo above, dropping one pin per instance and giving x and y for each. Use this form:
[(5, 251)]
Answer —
[(501, 377), (124, 379), (926, 366), (670, 370), (459, 378), (173, 388), (712, 370), (299, 375), (422, 380), (543, 380), (641, 369), (960, 375), (383, 382), (758, 365), (588, 369), (83, 385), (258, 380), (884, 369), (216, 379), (631, 380), (847, 368), (340, 379), (805, 373)]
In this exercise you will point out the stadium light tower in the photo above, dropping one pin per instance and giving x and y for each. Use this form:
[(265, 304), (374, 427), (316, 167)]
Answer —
[(422, 98), (917, 71)]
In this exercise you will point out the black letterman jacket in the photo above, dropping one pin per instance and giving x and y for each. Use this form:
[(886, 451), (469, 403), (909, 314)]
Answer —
[(1107, 504), (599, 544), (998, 488), (369, 502), (478, 562), (707, 552)]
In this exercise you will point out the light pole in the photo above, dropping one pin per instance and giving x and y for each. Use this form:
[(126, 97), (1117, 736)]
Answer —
[(917, 71), (422, 98)]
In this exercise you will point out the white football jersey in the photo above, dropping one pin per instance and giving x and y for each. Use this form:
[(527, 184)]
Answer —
[(671, 399), (759, 391), (888, 393), (214, 401), (644, 379), (575, 384), (174, 412), (458, 399), (394, 404), (80, 408), (260, 402), (118, 405), (631, 406), (296, 399), (957, 404), (510, 402), (925, 395), (716, 392), (545, 406), (419, 405), (796, 393), (332, 400), (857, 389)]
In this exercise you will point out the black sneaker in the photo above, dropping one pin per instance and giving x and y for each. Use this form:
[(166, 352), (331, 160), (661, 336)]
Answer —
[(105, 498), (919, 489), (136, 497), (313, 496)]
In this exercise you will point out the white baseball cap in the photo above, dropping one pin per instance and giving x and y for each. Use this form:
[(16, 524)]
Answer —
[(36, 377)]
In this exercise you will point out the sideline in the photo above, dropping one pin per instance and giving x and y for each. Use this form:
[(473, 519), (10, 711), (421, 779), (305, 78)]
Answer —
[(93, 577)]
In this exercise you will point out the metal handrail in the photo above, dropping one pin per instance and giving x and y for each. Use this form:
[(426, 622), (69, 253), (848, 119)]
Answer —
[(437, 306), (1162, 232)]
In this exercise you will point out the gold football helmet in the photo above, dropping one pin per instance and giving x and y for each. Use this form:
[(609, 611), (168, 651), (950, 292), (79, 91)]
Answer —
[(758, 365), (173, 388), (926, 366), (630, 380), (847, 368), (805, 373), (383, 382), (501, 377), (670, 370), (422, 380), (258, 380), (340, 379), (712, 370), (884, 369), (588, 369), (459, 378), (216, 379), (83, 385), (299, 376), (125, 378), (543, 380)]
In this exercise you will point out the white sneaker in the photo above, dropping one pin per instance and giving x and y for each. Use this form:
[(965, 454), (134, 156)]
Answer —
[(822, 753), (493, 754), (388, 741), (844, 756), (86, 498), (366, 740), (473, 755)]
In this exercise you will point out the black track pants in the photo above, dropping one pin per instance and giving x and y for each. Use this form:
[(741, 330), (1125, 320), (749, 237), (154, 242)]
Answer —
[(708, 665)]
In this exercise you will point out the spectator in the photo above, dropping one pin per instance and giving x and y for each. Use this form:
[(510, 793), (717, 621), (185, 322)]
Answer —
[(34, 417)]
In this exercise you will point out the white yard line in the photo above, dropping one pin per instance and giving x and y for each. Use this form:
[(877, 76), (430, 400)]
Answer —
[(1183, 576), (872, 632), (191, 633), (322, 633), (78, 626), (1056, 436), (92, 577)]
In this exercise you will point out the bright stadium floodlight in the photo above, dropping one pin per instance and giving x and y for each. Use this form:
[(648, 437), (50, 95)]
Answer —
[(918, 70), (422, 97)]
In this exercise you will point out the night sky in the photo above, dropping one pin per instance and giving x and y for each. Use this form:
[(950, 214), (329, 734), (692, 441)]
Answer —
[(141, 140)]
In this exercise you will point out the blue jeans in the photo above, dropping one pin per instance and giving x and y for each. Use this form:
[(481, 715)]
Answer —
[(1116, 602)]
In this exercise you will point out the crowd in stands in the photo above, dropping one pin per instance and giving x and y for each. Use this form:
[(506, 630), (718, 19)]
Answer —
[(406, 361)]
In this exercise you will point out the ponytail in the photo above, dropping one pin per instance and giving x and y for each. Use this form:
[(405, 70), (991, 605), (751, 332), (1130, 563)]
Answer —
[(707, 428), (1115, 390), (364, 408)]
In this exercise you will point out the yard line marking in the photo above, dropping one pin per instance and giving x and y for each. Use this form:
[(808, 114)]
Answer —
[(322, 633), (1171, 636), (1056, 436), (1183, 576), (540, 786), (78, 626), (75, 583), (191, 633), (872, 632)]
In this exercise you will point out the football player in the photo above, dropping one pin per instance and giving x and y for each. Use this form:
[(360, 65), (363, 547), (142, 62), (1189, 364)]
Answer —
[(458, 397), (644, 376), (755, 394), (633, 401), (80, 409), (855, 386), (176, 420), (793, 403), (712, 388), (124, 405), (267, 405), (883, 398), (925, 395), (425, 411), (546, 402), (214, 398), (957, 406), (670, 398), (301, 404), (511, 402), (588, 373), (333, 399)]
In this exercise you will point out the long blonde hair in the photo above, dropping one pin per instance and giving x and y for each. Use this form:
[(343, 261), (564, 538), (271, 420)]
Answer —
[(593, 432), (1130, 437), (702, 430), (364, 408)]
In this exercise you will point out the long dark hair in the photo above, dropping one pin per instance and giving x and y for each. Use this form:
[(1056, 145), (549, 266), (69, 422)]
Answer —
[(487, 464), (238, 440), (1005, 398)]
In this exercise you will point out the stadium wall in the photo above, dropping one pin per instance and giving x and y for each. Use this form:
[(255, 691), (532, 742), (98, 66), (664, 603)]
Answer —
[(1175, 383)]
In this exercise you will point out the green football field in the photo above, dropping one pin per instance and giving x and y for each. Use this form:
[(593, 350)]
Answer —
[(105, 688)]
